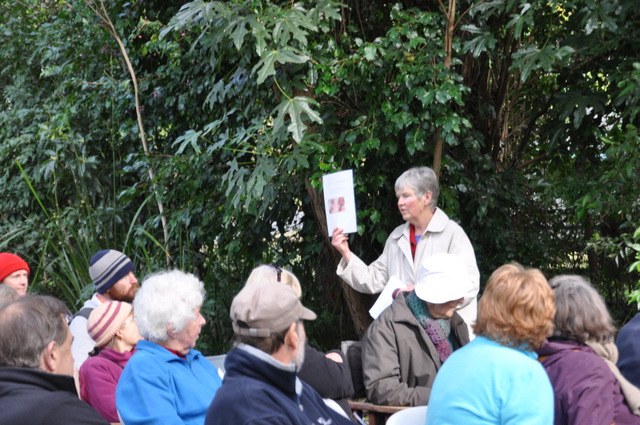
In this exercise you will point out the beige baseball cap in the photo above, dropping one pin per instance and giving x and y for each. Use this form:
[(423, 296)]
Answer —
[(264, 308)]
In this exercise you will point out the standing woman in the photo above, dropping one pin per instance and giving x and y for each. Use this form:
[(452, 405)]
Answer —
[(115, 333), (580, 360), (427, 230), (14, 272)]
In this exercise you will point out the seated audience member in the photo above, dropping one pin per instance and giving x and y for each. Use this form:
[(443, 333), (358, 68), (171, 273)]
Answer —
[(628, 343), (328, 373), (496, 378), (260, 385), (167, 381), (405, 347), (112, 274), (7, 294), (36, 366), (112, 327), (14, 272), (587, 389)]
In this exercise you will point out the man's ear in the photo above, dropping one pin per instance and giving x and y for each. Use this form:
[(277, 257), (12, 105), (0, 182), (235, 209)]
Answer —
[(49, 357), (291, 337)]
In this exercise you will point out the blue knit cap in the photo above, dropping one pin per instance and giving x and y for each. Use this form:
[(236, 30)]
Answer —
[(107, 267)]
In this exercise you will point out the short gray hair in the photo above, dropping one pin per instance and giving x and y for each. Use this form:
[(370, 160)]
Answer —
[(166, 299), (27, 326), (421, 180), (7, 294), (581, 313)]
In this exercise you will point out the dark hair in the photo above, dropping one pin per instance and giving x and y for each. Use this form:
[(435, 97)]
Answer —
[(27, 325), (269, 344)]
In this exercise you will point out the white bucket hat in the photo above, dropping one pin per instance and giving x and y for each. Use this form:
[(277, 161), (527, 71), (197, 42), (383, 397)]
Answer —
[(442, 278)]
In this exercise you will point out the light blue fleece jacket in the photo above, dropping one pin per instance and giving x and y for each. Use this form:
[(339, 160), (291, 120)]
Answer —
[(158, 387), (486, 382)]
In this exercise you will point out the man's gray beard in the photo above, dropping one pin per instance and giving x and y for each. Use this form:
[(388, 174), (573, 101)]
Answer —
[(300, 354)]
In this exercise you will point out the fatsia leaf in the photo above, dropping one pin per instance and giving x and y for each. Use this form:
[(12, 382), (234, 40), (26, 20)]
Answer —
[(261, 35), (238, 29), (296, 108), (190, 138), (188, 13), (292, 26), (266, 66), (532, 58)]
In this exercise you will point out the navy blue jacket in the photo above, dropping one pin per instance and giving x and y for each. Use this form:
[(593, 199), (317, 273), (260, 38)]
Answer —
[(257, 391), (628, 343)]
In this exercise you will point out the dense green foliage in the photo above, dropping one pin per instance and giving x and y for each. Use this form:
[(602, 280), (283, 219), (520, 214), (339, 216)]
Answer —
[(246, 103)]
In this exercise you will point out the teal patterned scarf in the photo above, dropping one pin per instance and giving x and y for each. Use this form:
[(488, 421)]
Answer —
[(438, 330)]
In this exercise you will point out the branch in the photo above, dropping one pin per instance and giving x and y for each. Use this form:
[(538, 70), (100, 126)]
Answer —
[(101, 12)]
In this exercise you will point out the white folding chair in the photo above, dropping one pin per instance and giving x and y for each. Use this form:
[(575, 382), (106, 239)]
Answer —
[(409, 416)]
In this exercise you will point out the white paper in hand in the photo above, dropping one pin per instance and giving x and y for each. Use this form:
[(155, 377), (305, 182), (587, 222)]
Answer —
[(386, 296), (340, 201)]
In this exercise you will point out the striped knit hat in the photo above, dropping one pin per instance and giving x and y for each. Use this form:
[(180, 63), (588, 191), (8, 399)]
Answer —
[(10, 263), (106, 319), (107, 267)]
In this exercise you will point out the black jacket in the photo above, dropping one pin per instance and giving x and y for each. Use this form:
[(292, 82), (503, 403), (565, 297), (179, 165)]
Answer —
[(330, 379), (35, 397)]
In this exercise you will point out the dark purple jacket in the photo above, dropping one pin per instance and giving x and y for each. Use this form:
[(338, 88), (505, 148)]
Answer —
[(99, 376), (586, 391)]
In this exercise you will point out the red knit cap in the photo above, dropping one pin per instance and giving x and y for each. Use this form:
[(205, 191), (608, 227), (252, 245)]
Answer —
[(10, 263)]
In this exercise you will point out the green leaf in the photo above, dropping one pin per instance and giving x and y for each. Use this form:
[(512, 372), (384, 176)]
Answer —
[(370, 52), (296, 108), (261, 35), (266, 66), (238, 29), (190, 138)]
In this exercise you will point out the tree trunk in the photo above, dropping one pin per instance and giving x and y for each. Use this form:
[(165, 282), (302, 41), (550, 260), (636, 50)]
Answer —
[(356, 302), (450, 14)]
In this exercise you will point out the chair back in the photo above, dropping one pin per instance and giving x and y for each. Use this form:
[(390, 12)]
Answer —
[(410, 416), (218, 361), (352, 351)]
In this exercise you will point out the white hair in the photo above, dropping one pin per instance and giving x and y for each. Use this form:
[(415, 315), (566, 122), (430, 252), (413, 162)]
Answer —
[(421, 180), (166, 300)]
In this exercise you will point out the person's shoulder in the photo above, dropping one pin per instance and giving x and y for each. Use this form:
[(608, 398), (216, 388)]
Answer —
[(95, 362), (498, 353), (632, 326), (390, 315), (580, 358), (63, 408), (146, 357), (241, 390), (397, 232)]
